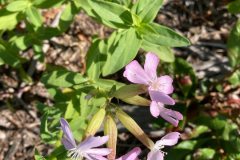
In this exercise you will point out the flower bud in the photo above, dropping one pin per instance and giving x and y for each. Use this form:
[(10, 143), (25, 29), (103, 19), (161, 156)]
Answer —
[(134, 128), (110, 129), (95, 123), (137, 100), (130, 91)]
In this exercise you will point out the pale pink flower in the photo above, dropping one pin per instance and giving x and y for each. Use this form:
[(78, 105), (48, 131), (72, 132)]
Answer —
[(168, 140), (86, 149), (131, 155), (159, 88)]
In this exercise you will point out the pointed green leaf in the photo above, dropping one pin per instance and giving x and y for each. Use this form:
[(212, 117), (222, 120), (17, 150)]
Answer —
[(205, 154), (18, 5), (62, 78), (8, 20), (161, 35), (37, 155), (7, 57), (147, 9), (73, 108), (121, 53), (233, 45), (96, 56), (164, 53), (67, 16), (34, 16), (46, 135), (47, 3), (112, 14)]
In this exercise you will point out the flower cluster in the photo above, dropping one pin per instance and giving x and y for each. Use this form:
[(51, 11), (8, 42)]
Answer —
[(86, 149), (159, 89)]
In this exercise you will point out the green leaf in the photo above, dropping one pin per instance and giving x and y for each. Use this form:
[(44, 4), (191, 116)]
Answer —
[(205, 154), (107, 83), (190, 145), (160, 35), (232, 146), (38, 52), (73, 107), (233, 45), (147, 9), (59, 153), (18, 5), (37, 156), (164, 53), (62, 78), (234, 7), (47, 4), (129, 91), (121, 53), (216, 124), (34, 16), (127, 3), (8, 20), (90, 106), (235, 78), (45, 134), (86, 7), (67, 16), (181, 150), (112, 14), (21, 41), (233, 156), (96, 57), (78, 125), (199, 130), (47, 32), (8, 57)]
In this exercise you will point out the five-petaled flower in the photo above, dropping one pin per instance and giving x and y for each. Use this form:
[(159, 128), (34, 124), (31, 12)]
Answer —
[(159, 88), (86, 149), (168, 140)]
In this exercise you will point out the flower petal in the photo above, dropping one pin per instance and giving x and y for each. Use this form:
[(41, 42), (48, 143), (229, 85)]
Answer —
[(67, 140), (135, 73), (95, 157), (161, 97), (67, 144), (165, 84), (151, 64), (169, 140), (169, 115), (92, 142), (99, 151), (155, 155), (131, 155), (154, 109)]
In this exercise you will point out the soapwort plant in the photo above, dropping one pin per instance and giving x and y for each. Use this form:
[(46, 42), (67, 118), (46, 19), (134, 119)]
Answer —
[(86, 101)]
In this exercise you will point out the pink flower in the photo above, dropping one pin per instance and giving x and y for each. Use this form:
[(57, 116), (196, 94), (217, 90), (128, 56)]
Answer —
[(86, 148), (159, 88), (168, 140), (132, 155)]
